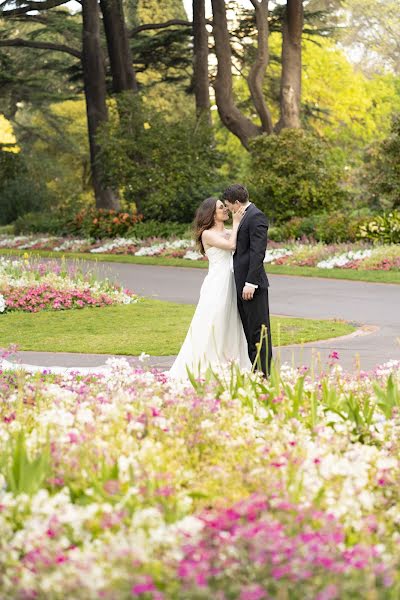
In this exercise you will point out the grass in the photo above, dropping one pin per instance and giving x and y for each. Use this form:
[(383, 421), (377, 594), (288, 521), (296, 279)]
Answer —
[(151, 326), (348, 274)]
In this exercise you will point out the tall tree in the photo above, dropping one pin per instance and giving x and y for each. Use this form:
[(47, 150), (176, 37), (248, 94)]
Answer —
[(200, 61), (290, 83), (119, 52), (95, 94), (290, 95), (256, 76), (228, 111)]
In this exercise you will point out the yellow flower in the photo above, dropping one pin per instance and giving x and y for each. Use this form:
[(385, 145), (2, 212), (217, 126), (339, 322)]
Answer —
[(25, 256)]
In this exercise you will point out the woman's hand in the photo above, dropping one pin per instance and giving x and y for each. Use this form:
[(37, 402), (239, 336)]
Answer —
[(238, 215)]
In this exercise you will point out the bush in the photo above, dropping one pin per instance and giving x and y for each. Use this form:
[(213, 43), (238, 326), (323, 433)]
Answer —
[(384, 229), (51, 223), (166, 229), (7, 229), (101, 223), (338, 227), (334, 227), (93, 223), (292, 175), (382, 170), (166, 167), (18, 192)]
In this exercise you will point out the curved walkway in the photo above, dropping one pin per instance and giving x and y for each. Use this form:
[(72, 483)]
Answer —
[(375, 307)]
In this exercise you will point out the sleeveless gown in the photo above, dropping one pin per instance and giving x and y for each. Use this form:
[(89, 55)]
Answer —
[(216, 334)]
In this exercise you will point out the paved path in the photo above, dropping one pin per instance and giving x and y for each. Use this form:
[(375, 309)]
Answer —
[(376, 307)]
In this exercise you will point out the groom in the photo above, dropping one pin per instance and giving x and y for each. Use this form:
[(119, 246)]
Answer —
[(248, 265)]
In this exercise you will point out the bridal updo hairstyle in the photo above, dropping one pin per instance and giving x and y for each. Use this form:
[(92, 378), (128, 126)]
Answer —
[(203, 220)]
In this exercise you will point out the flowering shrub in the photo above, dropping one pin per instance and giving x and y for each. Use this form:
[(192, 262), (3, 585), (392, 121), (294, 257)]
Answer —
[(383, 228), (123, 484), (102, 223), (29, 286)]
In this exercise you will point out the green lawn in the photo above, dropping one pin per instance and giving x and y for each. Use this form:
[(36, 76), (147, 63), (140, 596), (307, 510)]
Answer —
[(151, 326), (349, 274)]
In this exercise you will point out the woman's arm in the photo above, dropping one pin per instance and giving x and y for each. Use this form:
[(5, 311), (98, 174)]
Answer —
[(212, 238)]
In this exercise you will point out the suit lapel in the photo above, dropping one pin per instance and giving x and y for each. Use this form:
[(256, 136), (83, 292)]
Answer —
[(246, 214)]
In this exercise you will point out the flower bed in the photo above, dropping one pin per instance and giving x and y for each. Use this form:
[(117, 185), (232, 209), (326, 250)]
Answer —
[(33, 286), (322, 256), (126, 485)]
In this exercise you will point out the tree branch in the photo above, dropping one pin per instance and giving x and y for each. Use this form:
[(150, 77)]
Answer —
[(19, 42), (147, 26), (21, 10), (228, 111), (256, 76)]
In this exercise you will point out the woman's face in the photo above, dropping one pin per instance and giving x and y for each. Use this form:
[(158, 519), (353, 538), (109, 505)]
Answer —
[(221, 212)]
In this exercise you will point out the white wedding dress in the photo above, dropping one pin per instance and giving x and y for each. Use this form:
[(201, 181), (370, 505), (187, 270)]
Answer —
[(216, 334)]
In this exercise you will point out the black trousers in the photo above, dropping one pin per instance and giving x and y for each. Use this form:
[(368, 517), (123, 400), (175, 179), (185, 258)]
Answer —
[(255, 313)]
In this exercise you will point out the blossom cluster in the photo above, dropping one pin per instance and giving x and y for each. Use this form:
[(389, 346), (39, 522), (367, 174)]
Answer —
[(323, 256), (125, 484), (31, 286)]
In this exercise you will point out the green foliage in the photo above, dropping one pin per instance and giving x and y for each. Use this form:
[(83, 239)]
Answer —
[(18, 193), (10, 164), (340, 103), (292, 174), (60, 223), (7, 229), (333, 227), (54, 223), (32, 77), (102, 223), (24, 475), (165, 164), (389, 398), (59, 152), (153, 11), (152, 229), (383, 228), (382, 169)]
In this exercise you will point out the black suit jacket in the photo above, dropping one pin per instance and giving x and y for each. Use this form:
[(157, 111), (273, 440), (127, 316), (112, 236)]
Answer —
[(251, 244)]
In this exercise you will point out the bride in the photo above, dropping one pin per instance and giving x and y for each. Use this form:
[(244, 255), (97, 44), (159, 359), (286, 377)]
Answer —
[(216, 334)]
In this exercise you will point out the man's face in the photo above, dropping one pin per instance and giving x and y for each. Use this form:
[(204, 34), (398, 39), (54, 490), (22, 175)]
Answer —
[(232, 206)]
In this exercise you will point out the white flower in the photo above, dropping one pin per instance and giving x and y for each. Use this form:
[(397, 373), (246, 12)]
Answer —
[(3, 303), (190, 525), (117, 243), (143, 356), (71, 245), (275, 253), (342, 259), (193, 255)]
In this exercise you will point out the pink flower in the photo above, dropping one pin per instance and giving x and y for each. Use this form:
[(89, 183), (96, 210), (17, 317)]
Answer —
[(141, 588), (253, 592)]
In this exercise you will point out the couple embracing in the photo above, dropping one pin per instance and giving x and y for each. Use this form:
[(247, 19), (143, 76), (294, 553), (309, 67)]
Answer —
[(233, 304)]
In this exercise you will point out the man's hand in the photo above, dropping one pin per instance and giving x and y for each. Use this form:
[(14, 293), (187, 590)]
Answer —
[(248, 292)]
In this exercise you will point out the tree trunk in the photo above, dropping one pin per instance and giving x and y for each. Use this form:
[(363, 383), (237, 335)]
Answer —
[(290, 97), (95, 94), (123, 74), (256, 76), (200, 61), (230, 115)]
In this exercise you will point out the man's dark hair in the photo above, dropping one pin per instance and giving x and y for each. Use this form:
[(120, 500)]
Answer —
[(236, 193)]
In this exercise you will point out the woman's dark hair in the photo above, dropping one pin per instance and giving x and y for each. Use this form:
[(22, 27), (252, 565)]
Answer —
[(203, 220), (236, 193)]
